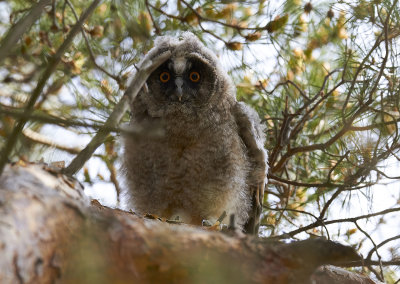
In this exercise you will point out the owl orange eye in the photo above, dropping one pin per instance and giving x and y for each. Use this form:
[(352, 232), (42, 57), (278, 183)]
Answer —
[(194, 76), (164, 77)]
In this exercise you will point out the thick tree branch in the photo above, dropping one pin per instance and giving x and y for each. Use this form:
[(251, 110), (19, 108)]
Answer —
[(65, 230)]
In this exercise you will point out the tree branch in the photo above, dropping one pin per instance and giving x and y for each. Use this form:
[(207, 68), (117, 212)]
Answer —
[(320, 222), (147, 67)]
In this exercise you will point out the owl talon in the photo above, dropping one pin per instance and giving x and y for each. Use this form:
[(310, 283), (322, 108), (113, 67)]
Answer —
[(206, 223)]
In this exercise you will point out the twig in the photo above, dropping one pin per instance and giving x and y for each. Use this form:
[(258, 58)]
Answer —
[(132, 130), (355, 76), (336, 165), (361, 128), (39, 138), (301, 212), (51, 67), (296, 128), (89, 48), (147, 67), (284, 133), (296, 183), (317, 223), (321, 146), (166, 14), (380, 276), (368, 56), (113, 176), (364, 262), (372, 163), (204, 19), (7, 45), (291, 210), (385, 175), (49, 119), (290, 82), (156, 28), (380, 245), (53, 14), (367, 167)]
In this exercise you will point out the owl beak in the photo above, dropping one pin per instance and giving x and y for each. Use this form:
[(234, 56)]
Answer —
[(179, 84)]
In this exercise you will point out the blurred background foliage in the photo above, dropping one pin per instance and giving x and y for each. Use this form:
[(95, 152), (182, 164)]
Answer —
[(323, 75)]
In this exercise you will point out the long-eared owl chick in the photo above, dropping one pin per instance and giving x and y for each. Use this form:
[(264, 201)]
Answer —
[(211, 157)]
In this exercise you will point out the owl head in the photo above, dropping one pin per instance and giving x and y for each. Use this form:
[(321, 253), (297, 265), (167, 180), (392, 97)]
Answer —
[(191, 78)]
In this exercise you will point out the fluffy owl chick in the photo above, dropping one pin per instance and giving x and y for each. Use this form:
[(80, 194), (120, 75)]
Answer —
[(211, 157)]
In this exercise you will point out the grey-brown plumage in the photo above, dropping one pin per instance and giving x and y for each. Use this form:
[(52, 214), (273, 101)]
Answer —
[(211, 158)]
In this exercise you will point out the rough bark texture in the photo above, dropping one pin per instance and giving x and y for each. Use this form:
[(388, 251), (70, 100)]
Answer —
[(329, 274), (49, 231)]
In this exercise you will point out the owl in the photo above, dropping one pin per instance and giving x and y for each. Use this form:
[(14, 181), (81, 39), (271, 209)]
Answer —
[(211, 156)]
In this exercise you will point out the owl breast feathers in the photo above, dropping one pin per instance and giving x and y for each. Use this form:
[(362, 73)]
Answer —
[(211, 157)]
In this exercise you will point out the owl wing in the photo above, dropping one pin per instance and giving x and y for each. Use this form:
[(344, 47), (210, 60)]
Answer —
[(251, 131)]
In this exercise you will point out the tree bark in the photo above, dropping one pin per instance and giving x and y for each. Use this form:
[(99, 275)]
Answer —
[(50, 231)]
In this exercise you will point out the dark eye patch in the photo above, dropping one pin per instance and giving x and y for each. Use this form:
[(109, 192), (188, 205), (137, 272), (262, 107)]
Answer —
[(200, 72), (194, 76), (162, 74), (165, 76), (198, 66)]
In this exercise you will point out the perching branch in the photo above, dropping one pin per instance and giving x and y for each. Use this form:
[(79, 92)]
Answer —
[(82, 233)]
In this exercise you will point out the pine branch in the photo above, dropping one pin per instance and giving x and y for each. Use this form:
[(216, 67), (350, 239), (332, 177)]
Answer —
[(147, 67), (321, 222), (51, 67), (7, 45)]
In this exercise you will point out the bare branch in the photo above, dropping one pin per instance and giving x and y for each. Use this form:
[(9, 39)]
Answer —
[(157, 29), (380, 275), (364, 262), (289, 82), (296, 183), (319, 222), (380, 245)]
